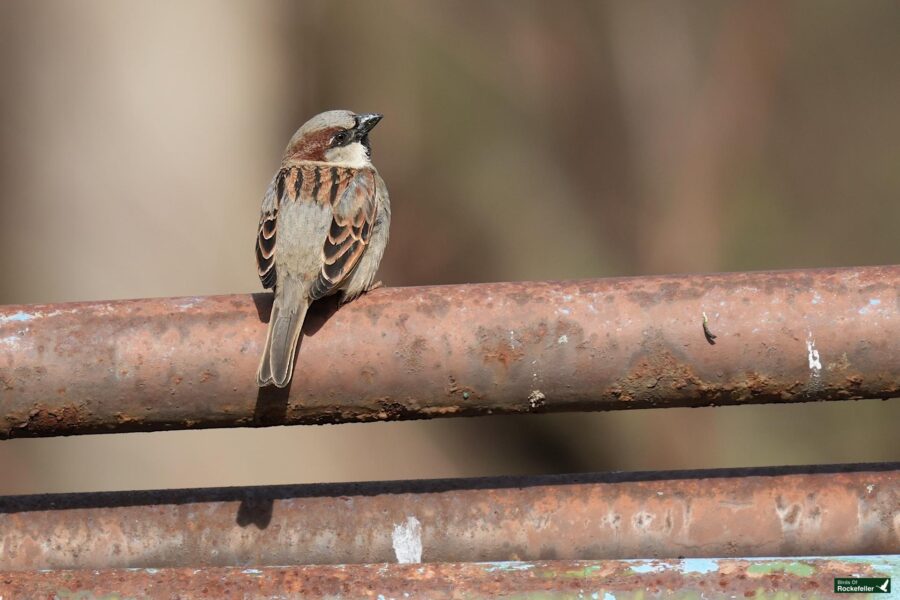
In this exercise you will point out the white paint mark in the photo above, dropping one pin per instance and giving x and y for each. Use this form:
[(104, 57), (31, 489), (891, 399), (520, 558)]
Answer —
[(872, 304), (10, 340), (870, 488), (790, 516), (608, 596), (251, 572), (536, 398), (407, 541), (513, 342), (646, 566), (190, 303), (567, 297), (642, 520), (699, 565), (563, 339), (19, 316), (492, 567), (24, 316), (816, 298), (815, 362), (564, 311)]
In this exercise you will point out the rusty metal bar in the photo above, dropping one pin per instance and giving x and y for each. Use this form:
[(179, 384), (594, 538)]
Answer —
[(180, 363), (696, 578), (792, 511)]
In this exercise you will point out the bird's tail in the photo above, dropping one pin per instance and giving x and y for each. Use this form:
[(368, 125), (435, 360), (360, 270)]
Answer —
[(288, 313)]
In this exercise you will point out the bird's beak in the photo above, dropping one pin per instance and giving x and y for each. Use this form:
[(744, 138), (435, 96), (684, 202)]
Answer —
[(365, 123)]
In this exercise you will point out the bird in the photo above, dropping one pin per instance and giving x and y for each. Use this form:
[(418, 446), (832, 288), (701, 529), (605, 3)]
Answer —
[(322, 230)]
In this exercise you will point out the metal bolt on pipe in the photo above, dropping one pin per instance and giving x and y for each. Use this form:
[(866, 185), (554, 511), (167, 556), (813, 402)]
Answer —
[(792, 511), (646, 579), (403, 353)]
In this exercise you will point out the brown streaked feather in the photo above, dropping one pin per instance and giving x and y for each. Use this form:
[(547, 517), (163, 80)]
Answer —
[(350, 193), (335, 184), (353, 216), (298, 183), (265, 235), (265, 258)]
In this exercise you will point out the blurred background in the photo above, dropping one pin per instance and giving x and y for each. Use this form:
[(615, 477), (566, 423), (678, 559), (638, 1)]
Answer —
[(522, 140)]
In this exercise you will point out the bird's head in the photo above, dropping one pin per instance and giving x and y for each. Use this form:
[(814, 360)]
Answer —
[(337, 137)]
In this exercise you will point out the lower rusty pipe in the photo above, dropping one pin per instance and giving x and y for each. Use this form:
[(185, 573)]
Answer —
[(809, 578), (693, 340), (792, 511)]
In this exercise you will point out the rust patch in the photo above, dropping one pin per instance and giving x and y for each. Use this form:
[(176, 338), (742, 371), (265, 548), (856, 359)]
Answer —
[(411, 351), (433, 305), (752, 386), (667, 291), (520, 298), (497, 346), (655, 371), (368, 373), (51, 418)]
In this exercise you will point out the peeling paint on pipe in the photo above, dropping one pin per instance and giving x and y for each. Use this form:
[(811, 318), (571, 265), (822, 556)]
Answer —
[(792, 511), (620, 580), (405, 353)]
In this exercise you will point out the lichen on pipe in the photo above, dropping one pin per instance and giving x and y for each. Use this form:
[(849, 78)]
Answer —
[(402, 353)]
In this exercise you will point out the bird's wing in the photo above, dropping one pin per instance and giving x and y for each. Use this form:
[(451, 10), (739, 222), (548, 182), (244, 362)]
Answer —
[(265, 236), (352, 195)]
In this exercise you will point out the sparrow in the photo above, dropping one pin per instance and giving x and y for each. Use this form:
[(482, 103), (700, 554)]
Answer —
[(322, 231)]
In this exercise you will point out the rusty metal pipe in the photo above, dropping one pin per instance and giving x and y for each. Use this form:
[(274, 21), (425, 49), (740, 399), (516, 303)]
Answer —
[(403, 353), (721, 513), (727, 578)]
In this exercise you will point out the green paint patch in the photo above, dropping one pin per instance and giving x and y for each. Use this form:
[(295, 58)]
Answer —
[(794, 568), (507, 566), (583, 573), (65, 594)]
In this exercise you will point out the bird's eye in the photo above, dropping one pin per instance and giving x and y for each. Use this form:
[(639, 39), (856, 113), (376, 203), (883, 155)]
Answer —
[(340, 137)]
